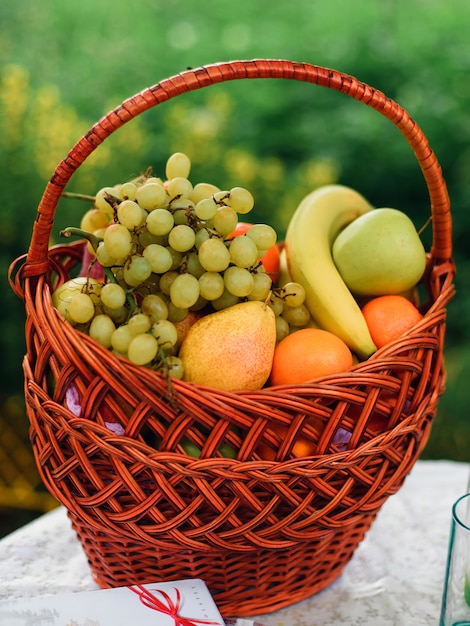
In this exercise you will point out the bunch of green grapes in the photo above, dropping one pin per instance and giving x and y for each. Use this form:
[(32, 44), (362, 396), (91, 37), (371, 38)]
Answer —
[(288, 305), (166, 248)]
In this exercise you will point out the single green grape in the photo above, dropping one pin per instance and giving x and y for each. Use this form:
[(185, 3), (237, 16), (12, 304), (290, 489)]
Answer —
[(182, 238), (177, 258), (130, 214), (201, 236), (179, 186), (293, 294), (205, 209), (211, 285), (151, 285), (81, 308), (184, 291), (176, 314), (182, 204), (151, 195), (243, 251), (296, 315), (202, 191), (137, 270), (180, 215), (199, 304), (262, 285), (93, 220), (263, 235), (158, 257), (113, 296), (101, 329), (153, 179), (142, 349), (119, 316), (241, 200), (165, 333), (146, 238), (155, 307), (103, 257), (178, 166), (139, 324), (174, 366), (221, 196), (276, 304), (121, 338), (282, 328), (226, 300), (101, 201), (214, 255), (166, 280), (128, 191), (238, 281), (160, 222), (118, 241), (225, 220), (193, 265)]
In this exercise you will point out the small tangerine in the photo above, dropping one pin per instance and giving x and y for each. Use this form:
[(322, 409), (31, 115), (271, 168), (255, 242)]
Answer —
[(307, 354)]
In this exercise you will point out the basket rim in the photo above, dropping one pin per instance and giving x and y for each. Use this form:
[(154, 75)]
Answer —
[(37, 262)]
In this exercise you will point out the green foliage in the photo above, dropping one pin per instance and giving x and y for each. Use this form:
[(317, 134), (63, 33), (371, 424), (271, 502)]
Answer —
[(64, 64)]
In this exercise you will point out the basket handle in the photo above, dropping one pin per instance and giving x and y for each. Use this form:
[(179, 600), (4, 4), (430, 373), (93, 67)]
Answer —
[(441, 251)]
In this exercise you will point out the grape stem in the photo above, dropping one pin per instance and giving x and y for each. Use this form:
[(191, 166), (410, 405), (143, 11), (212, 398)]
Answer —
[(268, 298), (220, 201), (113, 203), (72, 231), (78, 196), (166, 373)]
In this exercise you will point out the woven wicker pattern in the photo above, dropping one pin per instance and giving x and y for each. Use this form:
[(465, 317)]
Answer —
[(262, 534)]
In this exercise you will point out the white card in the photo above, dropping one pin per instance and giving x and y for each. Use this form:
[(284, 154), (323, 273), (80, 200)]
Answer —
[(174, 603)]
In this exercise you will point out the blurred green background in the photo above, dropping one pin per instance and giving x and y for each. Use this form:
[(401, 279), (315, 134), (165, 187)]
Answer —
[(65, 64)]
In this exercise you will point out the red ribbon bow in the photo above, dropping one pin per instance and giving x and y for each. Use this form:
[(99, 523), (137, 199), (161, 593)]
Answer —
[(152, 602)]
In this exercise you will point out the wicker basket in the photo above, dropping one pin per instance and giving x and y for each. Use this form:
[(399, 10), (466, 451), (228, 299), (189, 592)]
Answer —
[(262, 534)]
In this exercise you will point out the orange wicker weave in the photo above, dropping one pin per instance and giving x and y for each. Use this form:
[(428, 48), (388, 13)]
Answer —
[(262, 534)]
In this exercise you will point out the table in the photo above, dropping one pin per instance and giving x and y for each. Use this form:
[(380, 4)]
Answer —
[(395, 577)]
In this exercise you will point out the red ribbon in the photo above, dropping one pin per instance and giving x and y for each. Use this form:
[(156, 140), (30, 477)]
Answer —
[(152, 602)]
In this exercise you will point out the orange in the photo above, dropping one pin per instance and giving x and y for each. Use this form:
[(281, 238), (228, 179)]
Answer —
[(302, 447), (389, 317), (271, 260), (309, 353)]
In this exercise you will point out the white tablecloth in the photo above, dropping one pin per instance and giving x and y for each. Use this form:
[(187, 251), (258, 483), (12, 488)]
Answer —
[(394, 579)]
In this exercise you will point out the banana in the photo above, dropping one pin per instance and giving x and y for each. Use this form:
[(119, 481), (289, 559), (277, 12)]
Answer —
[(320, 216), (284, 276)]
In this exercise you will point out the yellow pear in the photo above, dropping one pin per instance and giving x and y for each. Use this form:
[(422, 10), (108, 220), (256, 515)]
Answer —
[(231, 349)]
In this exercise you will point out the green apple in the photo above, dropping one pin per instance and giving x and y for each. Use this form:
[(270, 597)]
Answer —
[(380, 253)]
